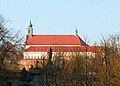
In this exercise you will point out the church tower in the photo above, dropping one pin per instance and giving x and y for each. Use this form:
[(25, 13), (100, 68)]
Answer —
[(29, 30)]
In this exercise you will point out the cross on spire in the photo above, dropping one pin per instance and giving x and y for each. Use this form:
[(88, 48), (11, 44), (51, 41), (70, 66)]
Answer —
[(76, 32)]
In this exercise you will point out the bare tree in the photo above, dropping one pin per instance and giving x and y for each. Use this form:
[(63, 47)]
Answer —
[(9, 47), (111, 57)]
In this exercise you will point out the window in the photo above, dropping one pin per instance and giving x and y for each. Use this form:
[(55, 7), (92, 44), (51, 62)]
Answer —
[(28, 31), (38, 56)]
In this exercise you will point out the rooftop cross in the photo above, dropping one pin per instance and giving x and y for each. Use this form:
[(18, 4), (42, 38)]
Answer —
[(76, 32)]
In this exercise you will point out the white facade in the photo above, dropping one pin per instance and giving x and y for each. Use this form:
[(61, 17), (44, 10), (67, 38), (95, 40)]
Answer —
[(66, 55)]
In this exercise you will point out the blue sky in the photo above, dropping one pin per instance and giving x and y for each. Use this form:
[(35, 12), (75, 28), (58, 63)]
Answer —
[(92, 18)]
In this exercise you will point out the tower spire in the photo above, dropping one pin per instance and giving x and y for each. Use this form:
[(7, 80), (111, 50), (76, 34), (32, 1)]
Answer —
[(29, 29), (29, 24)]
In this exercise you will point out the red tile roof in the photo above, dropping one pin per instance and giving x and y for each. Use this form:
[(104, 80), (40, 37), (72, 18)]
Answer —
[(54, 40), (64, 48)]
